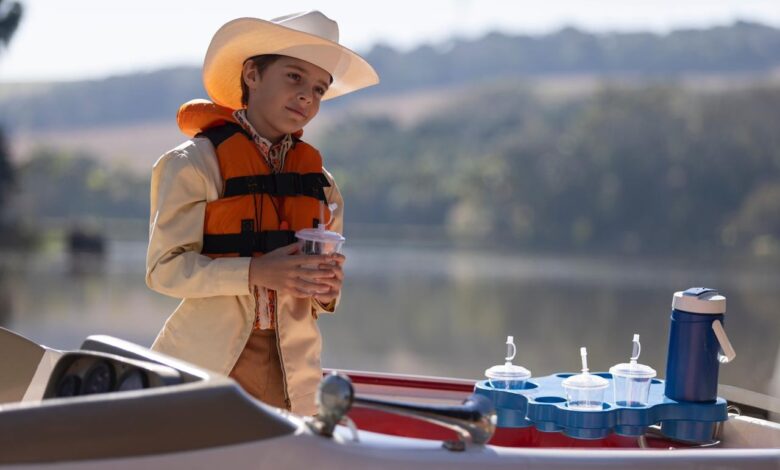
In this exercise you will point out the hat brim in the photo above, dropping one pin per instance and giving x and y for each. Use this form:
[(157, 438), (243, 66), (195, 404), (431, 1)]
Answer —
[(243, 38)]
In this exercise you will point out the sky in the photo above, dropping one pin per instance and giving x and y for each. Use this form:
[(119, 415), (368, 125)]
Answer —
[(88, 39)]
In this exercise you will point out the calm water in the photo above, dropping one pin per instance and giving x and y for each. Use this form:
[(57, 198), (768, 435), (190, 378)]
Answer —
[(439, 311)]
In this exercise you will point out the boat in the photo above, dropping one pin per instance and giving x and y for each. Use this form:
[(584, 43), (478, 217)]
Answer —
[(115, 404)]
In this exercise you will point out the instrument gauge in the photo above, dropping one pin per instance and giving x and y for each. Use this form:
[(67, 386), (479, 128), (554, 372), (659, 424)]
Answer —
[(133, 379), (68, 386), (98, 379)]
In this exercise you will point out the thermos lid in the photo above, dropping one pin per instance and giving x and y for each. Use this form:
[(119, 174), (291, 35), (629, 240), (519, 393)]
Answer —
[(699, 300)]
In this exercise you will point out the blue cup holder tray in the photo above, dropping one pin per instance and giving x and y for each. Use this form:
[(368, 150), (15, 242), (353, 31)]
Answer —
[(542, 403)]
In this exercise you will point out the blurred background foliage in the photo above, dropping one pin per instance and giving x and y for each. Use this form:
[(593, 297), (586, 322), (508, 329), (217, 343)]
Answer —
[(671, 145), (10, 14), (628, 169)]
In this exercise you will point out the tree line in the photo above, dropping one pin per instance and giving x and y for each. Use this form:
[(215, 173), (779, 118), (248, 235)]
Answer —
[(657, 169), (742, 47), (650, 169)]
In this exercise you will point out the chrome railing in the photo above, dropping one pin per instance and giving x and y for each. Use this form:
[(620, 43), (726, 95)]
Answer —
[(474, 421)]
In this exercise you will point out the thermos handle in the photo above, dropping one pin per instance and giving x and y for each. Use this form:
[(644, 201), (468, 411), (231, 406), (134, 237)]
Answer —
[(728, 351)]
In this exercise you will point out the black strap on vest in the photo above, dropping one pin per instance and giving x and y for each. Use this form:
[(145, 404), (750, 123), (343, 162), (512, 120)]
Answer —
[(219, 134), (280, 184), (255, 242)]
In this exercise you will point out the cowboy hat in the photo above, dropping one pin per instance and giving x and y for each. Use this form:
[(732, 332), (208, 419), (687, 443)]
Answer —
[(309, 36)]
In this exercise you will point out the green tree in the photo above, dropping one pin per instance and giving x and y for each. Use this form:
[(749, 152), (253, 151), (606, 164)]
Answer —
[(9, 20), (6, 171)]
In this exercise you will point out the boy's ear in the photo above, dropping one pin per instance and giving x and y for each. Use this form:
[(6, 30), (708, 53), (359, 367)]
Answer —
[(250, 74)]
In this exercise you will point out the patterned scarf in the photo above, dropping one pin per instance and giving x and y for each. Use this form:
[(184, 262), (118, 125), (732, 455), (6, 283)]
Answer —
[(274, 155)]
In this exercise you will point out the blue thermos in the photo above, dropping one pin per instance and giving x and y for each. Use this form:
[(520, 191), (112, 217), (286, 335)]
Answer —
[(696, 340)]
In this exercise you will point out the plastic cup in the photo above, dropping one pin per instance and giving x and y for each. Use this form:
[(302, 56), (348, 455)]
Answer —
[(318, 241), (631, 384), (585, 391), (507, 377)]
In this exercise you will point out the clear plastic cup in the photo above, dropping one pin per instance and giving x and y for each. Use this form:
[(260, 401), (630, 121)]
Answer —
[(318, 241), (508, 376), (632, 380), (631, 383), (585, 391)]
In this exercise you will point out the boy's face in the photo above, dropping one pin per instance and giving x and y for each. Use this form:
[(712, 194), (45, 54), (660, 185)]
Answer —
[(285, 96)]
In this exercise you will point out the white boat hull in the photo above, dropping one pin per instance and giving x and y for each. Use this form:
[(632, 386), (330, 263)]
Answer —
[(208, 422)]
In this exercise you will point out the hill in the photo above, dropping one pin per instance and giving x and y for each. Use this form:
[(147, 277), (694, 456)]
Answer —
[(742, 49)]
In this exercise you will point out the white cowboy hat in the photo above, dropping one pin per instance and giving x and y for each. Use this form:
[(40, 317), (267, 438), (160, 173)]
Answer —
[(309, 36)]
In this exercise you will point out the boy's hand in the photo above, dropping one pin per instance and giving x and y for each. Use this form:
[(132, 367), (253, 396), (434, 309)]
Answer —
[(287, 271), (336, 265)]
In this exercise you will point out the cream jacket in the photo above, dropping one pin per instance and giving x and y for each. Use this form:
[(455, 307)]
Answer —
[(212, 324)]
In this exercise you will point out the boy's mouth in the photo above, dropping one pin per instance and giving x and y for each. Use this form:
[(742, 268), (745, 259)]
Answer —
[(297, 111)]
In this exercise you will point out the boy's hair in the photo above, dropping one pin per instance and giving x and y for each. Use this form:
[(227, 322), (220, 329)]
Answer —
[(259, 62)]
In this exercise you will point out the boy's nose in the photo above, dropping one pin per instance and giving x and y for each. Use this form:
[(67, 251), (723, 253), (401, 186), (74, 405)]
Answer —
[(305, 97)]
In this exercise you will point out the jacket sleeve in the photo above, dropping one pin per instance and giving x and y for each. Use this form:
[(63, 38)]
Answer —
[(337, 225), (174, 265)]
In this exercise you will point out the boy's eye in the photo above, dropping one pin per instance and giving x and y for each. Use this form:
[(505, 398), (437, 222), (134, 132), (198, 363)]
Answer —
[(294, 76), (320, 91)]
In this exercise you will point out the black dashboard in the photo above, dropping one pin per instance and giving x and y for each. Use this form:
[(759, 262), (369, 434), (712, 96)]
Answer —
[(87, 372)]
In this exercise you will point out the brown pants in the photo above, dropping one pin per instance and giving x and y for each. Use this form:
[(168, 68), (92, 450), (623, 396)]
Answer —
[(259, 369)]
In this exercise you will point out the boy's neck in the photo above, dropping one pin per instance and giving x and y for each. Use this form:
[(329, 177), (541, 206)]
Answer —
[(262, 131)]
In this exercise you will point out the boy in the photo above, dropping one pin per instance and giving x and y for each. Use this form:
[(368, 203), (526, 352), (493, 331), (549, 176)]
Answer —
[(225, 207)]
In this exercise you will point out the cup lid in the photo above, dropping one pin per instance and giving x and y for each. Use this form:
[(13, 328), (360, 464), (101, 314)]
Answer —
[(699, 300), (319, 235), (508, 372), (586, 381), (638, 371)]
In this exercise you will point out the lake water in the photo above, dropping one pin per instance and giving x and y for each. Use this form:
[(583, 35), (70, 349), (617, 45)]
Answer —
[(438, 311)]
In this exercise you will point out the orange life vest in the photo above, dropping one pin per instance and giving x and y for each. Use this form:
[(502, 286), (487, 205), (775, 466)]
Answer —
[(258, 211)]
